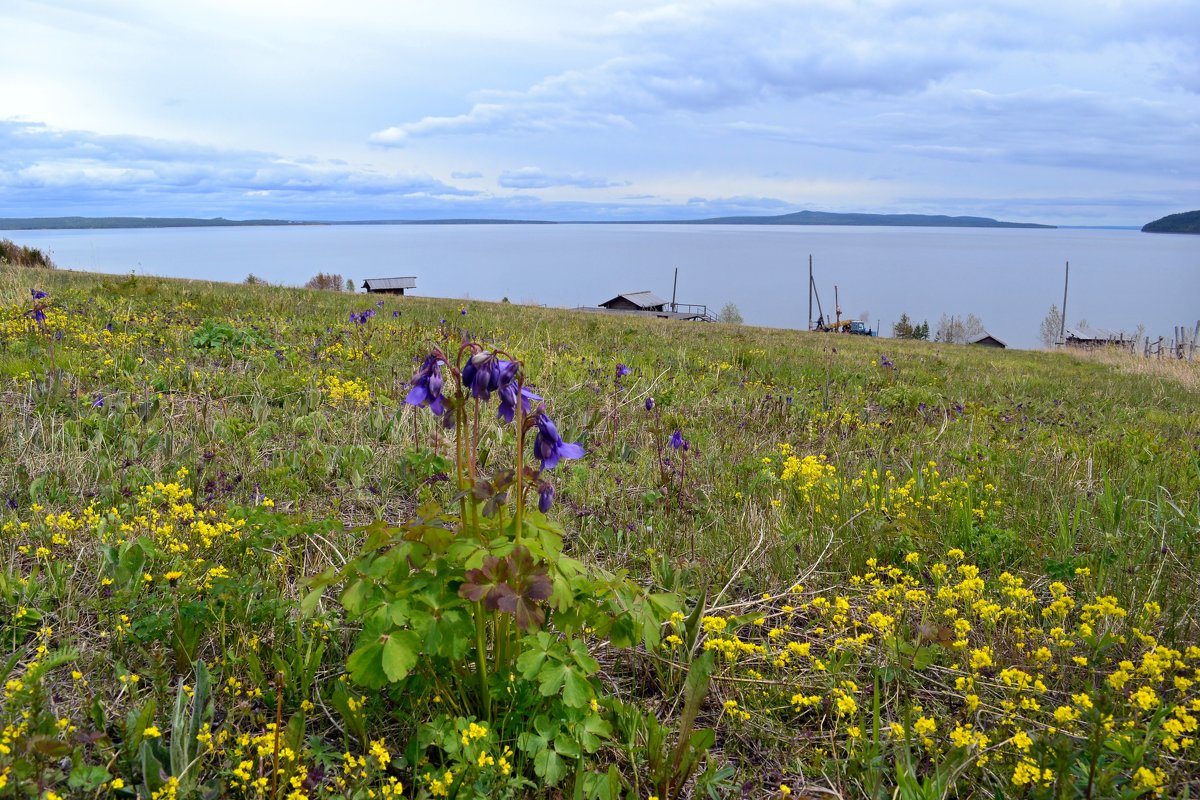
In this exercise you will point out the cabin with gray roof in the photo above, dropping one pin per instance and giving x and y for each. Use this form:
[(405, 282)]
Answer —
[(635, 301), (987, 340), (1092, 338), (389, 285)]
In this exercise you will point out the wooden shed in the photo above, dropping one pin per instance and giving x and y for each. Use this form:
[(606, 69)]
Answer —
[(636, 301), (389, 285), (1090, 339), (987, 340)]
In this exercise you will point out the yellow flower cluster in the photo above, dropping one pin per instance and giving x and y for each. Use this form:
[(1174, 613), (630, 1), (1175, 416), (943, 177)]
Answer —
[(348, 392)]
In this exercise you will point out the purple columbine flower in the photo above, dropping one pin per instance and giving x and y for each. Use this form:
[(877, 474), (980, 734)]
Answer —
[(649, 403), (549, 446), (545, 497), (622, 371), (482, 374), (38, 315), (462, 312), (395, 314), (38, 294), (379, 304), (427, 386), (98, 402), (677, 441), (508, 393)]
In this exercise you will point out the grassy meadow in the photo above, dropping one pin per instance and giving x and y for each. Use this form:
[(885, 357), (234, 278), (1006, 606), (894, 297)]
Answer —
[(238, 564)]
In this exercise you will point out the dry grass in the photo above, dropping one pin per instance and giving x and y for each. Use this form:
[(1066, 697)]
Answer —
[(1185, 373)]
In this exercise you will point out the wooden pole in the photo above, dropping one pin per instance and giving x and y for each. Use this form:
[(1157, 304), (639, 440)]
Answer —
[(810, 291), (1062, 323), (674, 286), (837, 308)]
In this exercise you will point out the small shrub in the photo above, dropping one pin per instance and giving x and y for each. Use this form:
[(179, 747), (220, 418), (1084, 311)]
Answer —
[(22, 256)]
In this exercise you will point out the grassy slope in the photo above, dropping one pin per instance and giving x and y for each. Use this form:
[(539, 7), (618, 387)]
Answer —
[(1092, 472)]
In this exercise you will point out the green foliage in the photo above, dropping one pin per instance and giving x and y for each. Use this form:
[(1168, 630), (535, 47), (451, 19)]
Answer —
[(176, 523)]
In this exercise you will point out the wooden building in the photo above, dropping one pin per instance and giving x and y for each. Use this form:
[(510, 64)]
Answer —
[(987, 340), (636, 301), (1090, 339), (389, 285)]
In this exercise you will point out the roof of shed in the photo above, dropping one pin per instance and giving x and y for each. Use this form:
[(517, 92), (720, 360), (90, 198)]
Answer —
[(409, 282), (983, 337), (644, 299)]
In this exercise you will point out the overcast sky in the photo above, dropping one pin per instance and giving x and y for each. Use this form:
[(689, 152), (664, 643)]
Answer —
[(1069, 111)]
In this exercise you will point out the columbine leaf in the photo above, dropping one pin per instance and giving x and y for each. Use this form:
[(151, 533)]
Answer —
[(577, 691), (400, 653), (366, 666), (487, 583)]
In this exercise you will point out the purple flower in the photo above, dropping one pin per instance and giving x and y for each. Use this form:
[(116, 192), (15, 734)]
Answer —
[(622, 371), (427, 386), (482, 374), (545, 497), (649, 403), (108, 327), (395, 314), (677, 441), (379, 304), (462, 312), (549, 446), (38, 294), (98, 402), (508, 401)]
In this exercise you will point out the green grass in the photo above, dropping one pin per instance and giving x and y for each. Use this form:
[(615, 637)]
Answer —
[(283, 414)]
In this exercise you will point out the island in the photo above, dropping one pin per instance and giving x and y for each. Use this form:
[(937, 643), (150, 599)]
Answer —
[(1185, 222)]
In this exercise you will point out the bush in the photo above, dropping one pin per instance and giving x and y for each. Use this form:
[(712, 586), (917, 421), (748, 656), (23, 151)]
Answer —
[(22, 256)]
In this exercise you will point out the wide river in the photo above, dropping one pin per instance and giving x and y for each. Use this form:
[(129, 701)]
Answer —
[(1007, 277)]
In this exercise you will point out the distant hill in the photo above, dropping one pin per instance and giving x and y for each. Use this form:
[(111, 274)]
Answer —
[(62, 223), (798, 218), (1186, 222), (905, 220)]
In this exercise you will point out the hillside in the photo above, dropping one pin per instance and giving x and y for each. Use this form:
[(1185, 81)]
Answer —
[(65, 223), (270, 542), (1186, 222), (903, 220)]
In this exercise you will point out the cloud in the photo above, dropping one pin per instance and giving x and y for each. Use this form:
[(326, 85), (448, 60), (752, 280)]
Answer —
[(464, 176), (55, 168), (1052, 126), (535, 178)]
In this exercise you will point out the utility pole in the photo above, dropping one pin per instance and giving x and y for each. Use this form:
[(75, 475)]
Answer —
[(810, 291), (674, 286), (1062, 323), (837, 308)]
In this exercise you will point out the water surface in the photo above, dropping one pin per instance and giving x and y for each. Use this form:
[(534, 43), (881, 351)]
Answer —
[(1008, 278)]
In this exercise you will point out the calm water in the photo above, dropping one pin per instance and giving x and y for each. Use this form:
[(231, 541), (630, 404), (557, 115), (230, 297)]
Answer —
[(1009, 278)]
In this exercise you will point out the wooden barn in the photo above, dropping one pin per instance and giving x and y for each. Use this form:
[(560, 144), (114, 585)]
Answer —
[(987, 340), (389, 285), (1089, 339), (636, 301)]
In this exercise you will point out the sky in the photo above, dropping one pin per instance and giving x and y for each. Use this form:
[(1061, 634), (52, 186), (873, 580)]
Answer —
[(1072, 112)]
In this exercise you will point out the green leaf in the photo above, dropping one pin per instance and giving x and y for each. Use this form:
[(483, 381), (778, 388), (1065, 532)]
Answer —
[(400, 653), (551, 678), (88, 778), (577, 690), (366, 666), (549, 766), (925, 656), (623, 633)]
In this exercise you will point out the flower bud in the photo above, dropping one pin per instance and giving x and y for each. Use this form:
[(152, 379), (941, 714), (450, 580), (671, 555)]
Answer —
[(545, 497)]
